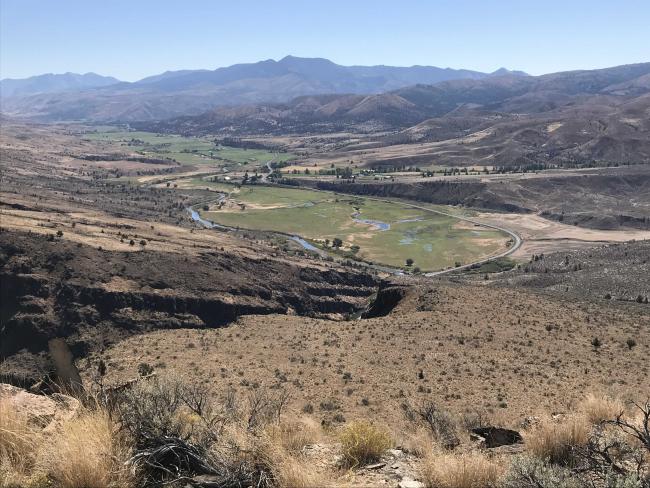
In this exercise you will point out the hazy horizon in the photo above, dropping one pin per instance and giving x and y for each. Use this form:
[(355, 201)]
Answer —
[(279, 58), (133, 41)]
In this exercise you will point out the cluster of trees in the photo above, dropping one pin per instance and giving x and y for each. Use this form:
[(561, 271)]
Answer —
[(250, 180)]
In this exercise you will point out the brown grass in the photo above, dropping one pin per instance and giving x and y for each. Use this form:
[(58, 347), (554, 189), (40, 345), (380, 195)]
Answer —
[(597, 408), (363, 443), (293, 436), (292, 472), (18, 441), (276, 450), (417, 442), (84, 452), (279, 449), (556, 441), (87, 452), (466, 470)]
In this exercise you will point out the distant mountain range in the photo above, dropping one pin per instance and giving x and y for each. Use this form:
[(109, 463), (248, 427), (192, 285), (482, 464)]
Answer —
[(493, 96), (51, 83), (91, 97), (569, 117)]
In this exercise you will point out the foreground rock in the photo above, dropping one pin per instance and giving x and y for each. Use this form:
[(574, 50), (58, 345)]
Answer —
[(46, 412), (491, 437)]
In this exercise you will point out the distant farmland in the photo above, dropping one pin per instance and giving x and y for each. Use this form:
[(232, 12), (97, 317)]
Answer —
[(381, 232)]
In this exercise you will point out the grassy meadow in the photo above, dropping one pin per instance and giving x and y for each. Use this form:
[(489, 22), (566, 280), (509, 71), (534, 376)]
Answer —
[(385, 232), (187, 150)]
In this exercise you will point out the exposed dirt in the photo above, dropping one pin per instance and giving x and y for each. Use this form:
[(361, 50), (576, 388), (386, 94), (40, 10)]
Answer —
[(93, 297), (541, 235), (503, 352)]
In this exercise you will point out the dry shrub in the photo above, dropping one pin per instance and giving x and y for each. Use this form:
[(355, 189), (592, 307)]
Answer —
[(443, 425), (460, 470), (557, 441), (418, 443), (530, 472), (290, 471), (18, 443), (363, 443), (273, 454), (87, 452), (598, 408), (295, 435)]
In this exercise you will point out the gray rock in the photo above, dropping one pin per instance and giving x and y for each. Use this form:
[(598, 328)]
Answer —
[(410, 483)]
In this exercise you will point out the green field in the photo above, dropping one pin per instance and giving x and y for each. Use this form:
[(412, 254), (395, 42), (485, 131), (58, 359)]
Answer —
[(432, 240), (187, 150)]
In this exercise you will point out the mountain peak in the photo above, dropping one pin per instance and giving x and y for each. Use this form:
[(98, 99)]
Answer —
[(53, 83), (506, 72)]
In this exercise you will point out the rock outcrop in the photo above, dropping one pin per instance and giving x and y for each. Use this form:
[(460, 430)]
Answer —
[(90, 297), (46, 412)]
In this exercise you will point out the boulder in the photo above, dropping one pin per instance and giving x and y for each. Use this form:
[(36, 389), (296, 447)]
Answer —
[(46, 412), (497, 436), (410, 483)]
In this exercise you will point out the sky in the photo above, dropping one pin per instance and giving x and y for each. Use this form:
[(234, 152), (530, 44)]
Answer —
[(137, 38)]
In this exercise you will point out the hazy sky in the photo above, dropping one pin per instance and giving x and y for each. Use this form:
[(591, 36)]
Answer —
[(136, 38)]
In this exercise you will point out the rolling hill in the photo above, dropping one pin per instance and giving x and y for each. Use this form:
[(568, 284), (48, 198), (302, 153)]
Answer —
[(569, 118)]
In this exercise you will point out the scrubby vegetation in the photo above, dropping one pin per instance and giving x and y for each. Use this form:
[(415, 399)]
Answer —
[(466, 470), (158, 431), (363, 443)]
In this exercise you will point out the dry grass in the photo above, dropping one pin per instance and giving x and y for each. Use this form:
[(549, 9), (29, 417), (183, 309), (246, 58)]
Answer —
[(87, 452), (363, 443), (275, 450), (84, 452), (496, 354), (18, 441), (597, 408), (556, 441), (466, 470), (292, 472), (295, 435), (418, 442)]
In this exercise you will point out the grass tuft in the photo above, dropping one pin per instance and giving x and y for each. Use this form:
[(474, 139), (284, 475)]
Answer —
[(18, 442), (363, 443), (556, 442), (598, 408), (87, 452), (466, 470)]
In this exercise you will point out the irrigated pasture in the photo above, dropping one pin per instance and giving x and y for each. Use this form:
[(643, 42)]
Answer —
[(186, 150), (382, 232)]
